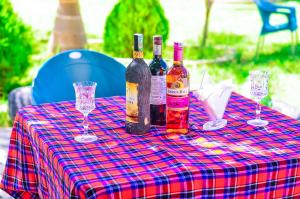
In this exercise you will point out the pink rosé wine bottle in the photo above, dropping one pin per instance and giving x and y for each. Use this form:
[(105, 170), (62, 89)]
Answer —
[(178, 86)]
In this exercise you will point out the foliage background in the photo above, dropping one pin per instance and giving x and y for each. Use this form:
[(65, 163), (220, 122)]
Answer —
[(16, 47), (134, 16)]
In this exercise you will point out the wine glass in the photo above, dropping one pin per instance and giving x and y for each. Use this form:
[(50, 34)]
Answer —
[(259, 90), (85, 103)]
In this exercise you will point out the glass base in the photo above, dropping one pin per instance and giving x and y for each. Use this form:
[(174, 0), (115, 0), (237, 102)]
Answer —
[(214, 125), (257, 122), (86, 138)]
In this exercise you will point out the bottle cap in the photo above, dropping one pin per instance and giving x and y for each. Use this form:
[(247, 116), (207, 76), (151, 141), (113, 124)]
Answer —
[(157, 39), (178, 45)]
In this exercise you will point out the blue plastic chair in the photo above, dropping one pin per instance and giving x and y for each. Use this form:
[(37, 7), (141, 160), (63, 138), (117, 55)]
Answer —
[(54, 81), (266, 9)]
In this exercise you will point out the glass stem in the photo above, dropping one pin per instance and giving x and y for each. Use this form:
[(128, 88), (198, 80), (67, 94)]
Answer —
[(258, 110), (85, 123)]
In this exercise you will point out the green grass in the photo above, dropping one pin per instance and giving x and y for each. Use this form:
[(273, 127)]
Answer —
[(217, 46), (273, 57)]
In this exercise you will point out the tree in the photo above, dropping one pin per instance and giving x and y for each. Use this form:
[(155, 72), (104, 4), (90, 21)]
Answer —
[(208, 7), (134, 16), (16, 47), (68, 30)]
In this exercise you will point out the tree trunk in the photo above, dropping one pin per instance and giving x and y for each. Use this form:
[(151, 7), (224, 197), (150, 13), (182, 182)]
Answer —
[(208, 5), (68, 32)]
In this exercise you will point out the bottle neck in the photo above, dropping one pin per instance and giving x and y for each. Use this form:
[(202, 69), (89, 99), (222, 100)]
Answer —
[(157, 51), (138, 54), (138, 46), (178, 57), (157, 57)]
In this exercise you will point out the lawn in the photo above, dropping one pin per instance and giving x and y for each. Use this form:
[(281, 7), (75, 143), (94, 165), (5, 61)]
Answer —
[(186, 17), (234, 26)]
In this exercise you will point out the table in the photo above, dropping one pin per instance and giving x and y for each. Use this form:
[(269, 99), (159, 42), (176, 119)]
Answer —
[(239, 161)]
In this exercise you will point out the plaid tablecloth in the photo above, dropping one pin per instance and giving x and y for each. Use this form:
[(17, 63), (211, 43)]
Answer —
[(239, 161)]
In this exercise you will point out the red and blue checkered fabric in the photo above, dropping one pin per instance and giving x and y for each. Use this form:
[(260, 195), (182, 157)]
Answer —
[(238, 161)]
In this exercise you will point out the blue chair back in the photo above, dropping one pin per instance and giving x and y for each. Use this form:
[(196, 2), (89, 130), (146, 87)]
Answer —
[(54, 81), (264, 7)]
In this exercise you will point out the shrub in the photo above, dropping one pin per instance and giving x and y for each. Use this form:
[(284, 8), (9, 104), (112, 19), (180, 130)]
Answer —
[(16, 46), (134, 16)]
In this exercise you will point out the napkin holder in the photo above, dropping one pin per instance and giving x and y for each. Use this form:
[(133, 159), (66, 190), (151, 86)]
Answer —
[(214, 100)]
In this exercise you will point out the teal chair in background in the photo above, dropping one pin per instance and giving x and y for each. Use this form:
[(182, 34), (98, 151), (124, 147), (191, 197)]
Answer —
[(266, 9), (54, 81)]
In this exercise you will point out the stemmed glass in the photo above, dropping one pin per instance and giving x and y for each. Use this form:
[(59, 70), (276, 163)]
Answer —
[(259, 90), (85, 103)]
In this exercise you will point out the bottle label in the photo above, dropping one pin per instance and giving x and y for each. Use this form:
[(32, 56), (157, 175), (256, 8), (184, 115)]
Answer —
[(179, 87), (178, 92), (138, 54), (178, 102), (158, 90), (132, 110), (157, 49)]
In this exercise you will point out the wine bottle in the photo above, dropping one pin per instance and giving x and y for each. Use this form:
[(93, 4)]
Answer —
[(138, 85), (158, 68), (178, 84)]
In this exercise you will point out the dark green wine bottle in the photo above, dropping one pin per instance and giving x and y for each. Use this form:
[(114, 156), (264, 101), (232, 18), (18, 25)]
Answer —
[(138, 85)]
